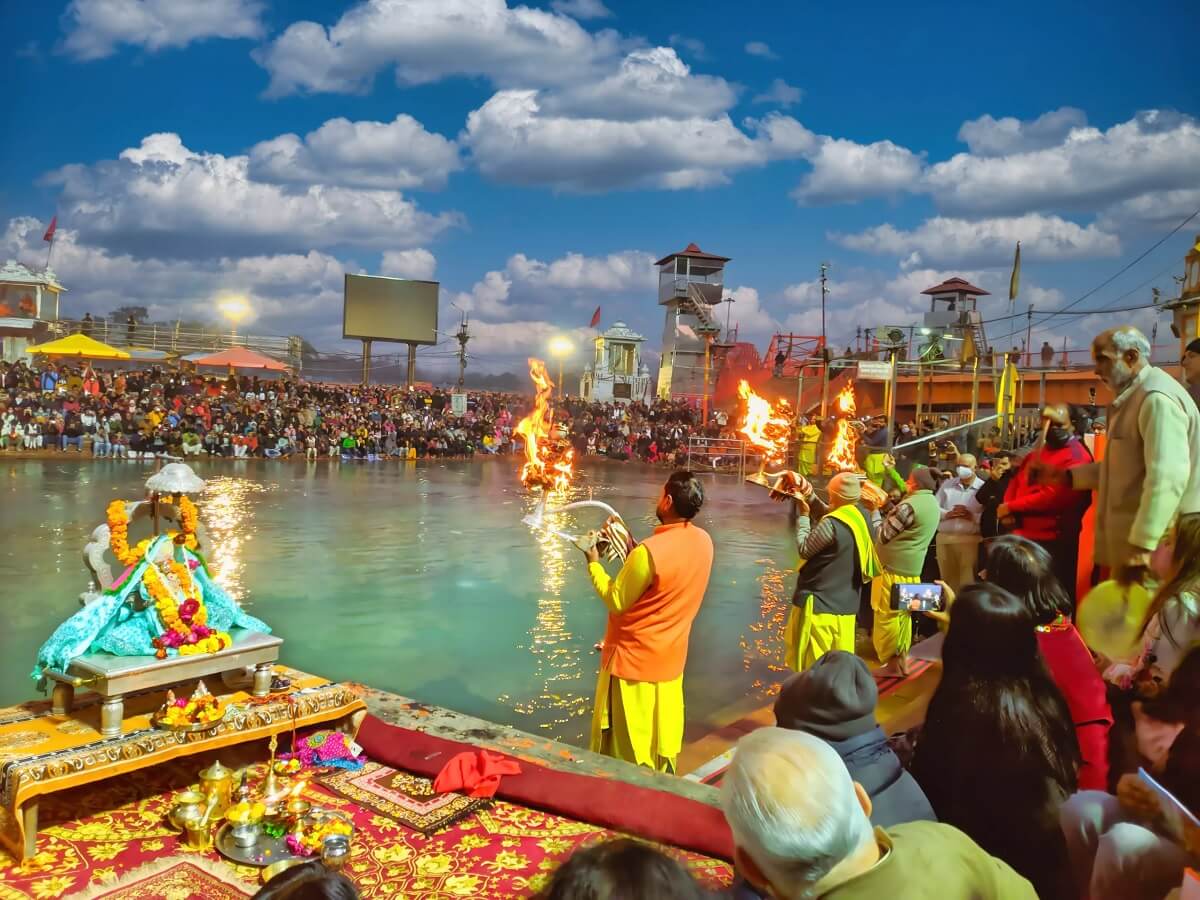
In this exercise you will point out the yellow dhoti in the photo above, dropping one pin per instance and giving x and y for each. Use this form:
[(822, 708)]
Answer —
[(892, 632), (811, 635), (638, 721)]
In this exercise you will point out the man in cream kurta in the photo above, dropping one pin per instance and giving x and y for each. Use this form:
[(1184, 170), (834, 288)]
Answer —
[(1151, 467)]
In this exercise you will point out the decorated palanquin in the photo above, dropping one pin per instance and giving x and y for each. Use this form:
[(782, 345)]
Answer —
[(165, 603), (142, 637)]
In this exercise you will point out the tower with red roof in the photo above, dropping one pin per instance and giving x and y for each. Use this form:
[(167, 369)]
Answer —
[(954, 317)]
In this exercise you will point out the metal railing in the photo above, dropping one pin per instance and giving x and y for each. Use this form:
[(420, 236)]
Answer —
[(718, 455), (182, 341)]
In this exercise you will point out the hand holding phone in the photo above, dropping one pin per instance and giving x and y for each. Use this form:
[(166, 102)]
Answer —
[(922, 597)]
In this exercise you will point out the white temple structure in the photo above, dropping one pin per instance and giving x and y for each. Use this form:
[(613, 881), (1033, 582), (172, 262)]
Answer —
[(617, 372), (28, 304)]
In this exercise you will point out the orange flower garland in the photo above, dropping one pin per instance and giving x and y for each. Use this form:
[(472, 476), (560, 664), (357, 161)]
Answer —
[(185, 621)]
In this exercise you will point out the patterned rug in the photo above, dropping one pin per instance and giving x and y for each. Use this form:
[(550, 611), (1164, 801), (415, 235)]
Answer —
[(94, 835), (174, 879), (408, 799)]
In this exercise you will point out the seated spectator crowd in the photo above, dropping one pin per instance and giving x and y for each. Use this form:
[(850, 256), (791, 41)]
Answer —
[(163, 412)]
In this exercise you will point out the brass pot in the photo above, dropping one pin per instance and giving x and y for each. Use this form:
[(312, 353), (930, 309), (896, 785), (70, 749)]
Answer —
[(217, 781), (188, 805)]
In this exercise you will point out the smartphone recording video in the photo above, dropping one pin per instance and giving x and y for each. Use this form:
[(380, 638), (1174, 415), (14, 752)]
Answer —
[(917, 597)]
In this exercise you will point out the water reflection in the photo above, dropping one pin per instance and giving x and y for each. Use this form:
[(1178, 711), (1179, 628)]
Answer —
[(556, 653), (763, 645), (227, 513)]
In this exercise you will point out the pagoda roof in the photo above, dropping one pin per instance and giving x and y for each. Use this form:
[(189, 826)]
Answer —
[(694, 252), (956, 285)]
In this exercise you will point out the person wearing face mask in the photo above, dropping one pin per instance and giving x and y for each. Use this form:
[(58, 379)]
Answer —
[(1050, 514), (1150, 472), (958, 531)]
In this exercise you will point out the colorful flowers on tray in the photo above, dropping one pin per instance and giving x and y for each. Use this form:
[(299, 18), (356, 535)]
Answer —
[(310, 840), (246, 813), (202, 708)]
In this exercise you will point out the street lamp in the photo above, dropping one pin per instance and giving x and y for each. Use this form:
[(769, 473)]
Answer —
[(561, 347), (234, 307)]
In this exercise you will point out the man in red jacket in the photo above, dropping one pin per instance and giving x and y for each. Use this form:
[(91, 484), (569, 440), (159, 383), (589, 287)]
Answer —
[(1050, 514)]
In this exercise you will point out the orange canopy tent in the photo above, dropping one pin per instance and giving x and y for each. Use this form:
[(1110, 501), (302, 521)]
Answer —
[(241, 358)]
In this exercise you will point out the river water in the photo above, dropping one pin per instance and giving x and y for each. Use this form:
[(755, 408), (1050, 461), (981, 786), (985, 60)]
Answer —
[(417, 578)]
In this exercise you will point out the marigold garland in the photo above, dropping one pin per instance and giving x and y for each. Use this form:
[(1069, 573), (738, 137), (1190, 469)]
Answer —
[(185, 622)]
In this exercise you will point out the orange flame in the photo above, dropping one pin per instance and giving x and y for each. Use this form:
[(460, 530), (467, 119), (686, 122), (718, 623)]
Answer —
[(548, 455), (764, 426), (841, 456)]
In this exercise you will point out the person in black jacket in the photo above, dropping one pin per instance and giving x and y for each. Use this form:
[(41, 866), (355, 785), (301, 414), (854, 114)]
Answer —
[(835, 701), (991, 493)]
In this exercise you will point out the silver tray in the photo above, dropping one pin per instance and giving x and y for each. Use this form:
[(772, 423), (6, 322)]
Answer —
[(265, 851)]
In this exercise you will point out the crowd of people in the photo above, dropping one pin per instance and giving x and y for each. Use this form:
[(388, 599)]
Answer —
[(156, 412), (1043, 765)]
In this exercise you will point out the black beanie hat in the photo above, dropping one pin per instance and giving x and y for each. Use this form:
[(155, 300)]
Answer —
[(834, 699)]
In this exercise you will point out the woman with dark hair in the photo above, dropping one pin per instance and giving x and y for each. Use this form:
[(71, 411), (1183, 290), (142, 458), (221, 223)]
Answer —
[(310, 881), (1026, 570), (621, 870), (997, 755)]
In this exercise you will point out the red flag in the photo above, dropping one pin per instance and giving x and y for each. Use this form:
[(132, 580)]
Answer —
[(49, 235), (595, 318)]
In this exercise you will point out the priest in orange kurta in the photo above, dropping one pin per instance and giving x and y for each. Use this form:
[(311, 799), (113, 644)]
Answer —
[(652, 603)]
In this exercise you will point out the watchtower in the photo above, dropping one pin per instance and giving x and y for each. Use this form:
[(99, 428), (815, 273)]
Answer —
[(690, 283)]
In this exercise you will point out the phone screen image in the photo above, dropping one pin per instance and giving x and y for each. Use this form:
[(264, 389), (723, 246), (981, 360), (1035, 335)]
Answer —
[(922, 597)]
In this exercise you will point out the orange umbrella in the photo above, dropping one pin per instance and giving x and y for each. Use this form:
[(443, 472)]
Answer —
[(241, 358)]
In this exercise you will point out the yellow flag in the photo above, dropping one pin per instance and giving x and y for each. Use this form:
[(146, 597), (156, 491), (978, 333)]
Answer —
[(1014, 283)]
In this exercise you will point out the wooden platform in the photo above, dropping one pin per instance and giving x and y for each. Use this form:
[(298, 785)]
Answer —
[(902, 704)]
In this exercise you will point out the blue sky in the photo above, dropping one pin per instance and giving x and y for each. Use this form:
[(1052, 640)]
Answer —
[(545, 155)]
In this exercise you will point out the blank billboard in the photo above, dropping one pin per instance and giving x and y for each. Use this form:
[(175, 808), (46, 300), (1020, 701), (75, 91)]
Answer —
[(390, 309)]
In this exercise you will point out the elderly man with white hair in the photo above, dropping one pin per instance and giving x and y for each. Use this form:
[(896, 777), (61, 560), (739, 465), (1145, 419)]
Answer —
[(801, 831), (1151, 468)]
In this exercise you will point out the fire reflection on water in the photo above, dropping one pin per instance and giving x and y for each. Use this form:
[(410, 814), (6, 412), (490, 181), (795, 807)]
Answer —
[(763, 641), (558, 659)]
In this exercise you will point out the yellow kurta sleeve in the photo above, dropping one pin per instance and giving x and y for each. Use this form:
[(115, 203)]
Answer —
[(631, 582)]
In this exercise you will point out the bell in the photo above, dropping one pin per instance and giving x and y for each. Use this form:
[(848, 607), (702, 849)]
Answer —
[(218, 780)]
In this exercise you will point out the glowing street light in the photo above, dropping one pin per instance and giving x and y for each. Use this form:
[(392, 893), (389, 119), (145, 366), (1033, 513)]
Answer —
[(234, 307), (561, 346)]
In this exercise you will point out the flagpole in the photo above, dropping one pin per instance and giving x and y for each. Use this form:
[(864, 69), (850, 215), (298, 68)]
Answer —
[(50, 250)]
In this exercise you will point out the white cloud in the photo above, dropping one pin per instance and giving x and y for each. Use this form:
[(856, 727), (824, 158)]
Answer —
[(649, 83), (780, 93), (512, 139), (758, 48), (544, 284), (396, 155), (1157, 210), (753, 321), (163, 199), (945, 241), (1154, 151), (426, 40), (288, 293), (844, 171), (417, 263), (988, 136), (94, 28), (582, 9)]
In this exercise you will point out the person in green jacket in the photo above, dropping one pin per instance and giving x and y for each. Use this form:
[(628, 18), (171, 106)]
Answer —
[(881, 469), (902, 543), (801, 830)]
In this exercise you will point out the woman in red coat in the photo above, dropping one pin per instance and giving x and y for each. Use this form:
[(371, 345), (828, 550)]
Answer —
[(1025, 569)]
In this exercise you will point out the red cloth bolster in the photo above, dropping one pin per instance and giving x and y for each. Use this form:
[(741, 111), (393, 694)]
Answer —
[(478, 772), (606, 802)]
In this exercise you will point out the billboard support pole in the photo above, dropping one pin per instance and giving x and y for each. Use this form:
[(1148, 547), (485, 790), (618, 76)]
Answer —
[(412, 366), (366, 369)]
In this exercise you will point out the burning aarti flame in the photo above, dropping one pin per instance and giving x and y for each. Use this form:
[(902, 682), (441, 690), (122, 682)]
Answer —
[(549, 457), (841, 456), (764, 426)]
